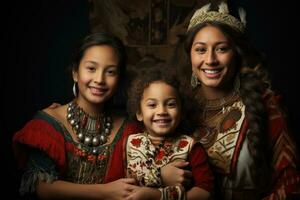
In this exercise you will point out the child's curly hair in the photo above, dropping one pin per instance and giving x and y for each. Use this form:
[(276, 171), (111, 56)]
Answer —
[(148, 73)]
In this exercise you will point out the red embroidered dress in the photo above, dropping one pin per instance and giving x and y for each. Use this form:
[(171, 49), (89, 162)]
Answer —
[(47, 151), (143, 162)]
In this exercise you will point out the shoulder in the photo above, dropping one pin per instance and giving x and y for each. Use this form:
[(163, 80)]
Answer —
[(136, 136), (273, 103), (58, 113), (132, 127), (45, 126)]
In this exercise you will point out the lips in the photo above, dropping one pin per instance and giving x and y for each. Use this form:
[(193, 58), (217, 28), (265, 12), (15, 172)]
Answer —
[(162, 122), (212, 73), (98, 91)]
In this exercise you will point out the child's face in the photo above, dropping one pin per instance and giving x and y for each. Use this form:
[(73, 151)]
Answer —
[(160, 109), (97, 75)]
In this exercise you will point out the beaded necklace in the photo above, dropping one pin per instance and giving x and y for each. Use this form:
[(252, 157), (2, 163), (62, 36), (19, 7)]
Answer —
[(91, 131)]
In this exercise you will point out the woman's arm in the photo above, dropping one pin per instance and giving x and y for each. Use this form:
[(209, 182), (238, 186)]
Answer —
[(285, 177)]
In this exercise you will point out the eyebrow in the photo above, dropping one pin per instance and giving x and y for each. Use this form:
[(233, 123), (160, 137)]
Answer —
[(203, 43), (96, 63), (90, 61), (168, 99)]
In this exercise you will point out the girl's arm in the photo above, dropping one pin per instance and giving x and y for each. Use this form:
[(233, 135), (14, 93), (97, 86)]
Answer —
[(116, 190)]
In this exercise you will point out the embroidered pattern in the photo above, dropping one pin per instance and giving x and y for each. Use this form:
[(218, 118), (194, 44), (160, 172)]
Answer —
[(220, 135), (144, 164)]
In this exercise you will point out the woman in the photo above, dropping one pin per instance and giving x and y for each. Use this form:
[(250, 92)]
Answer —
[(242, 126), (70, 151)]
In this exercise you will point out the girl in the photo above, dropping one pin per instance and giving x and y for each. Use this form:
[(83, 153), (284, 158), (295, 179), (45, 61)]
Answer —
[(156, 100), (68, 152)]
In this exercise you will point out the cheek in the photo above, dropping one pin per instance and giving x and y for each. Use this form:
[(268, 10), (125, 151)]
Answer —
[(196, 60), (112, 82), (83, 79), (176, 114)]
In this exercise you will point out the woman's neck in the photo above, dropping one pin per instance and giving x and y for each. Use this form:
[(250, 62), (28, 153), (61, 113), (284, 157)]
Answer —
[(214, 93)]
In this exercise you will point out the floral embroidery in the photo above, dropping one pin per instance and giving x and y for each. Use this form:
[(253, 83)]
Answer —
[(136, 142), (160, 155), (144, 159), (182, 144)]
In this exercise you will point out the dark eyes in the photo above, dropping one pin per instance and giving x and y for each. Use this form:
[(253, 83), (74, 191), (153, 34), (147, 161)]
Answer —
[(91, 68), (171, 104), (202, 50), (112, 72), (222, 49), (109, 72), (151, 105)]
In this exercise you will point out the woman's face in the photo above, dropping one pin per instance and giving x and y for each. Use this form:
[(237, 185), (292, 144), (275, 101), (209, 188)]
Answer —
[(212, 57)]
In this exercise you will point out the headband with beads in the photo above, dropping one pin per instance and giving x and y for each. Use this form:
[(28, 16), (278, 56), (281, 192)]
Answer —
[(204, 14)]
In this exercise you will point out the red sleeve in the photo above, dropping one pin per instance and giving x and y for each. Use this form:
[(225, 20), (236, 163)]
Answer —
[(202, 174), (117, 166), (42, 135), (283, 149)]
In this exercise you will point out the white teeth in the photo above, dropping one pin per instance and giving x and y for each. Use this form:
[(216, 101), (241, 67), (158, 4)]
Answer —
[(161, 121), (211, 71)]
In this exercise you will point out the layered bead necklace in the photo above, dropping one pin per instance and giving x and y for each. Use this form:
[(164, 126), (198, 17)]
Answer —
[(90, 131)]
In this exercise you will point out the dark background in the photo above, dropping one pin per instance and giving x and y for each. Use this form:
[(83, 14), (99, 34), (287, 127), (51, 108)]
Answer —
[(38, 37)]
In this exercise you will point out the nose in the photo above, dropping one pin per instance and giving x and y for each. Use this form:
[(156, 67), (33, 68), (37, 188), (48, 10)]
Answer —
[(161, 110), (99, 77), (211, 58)]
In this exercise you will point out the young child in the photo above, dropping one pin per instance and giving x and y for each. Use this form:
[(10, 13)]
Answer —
[(156, 100)]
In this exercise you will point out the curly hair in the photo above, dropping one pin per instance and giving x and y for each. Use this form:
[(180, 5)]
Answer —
[(253, 79), (163, 72)]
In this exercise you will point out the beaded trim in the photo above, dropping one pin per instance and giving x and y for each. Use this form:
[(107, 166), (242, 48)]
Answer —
[(204, 14), (172, 193)]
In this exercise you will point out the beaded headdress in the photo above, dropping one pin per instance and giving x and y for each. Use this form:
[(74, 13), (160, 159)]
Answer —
[(204, 14)]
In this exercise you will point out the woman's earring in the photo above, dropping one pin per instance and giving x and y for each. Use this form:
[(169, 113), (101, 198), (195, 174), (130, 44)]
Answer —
[(194, 81), (74, 89)]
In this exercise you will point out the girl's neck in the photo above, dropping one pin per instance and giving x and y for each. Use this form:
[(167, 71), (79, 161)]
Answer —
[(91, 109), (155, 137)]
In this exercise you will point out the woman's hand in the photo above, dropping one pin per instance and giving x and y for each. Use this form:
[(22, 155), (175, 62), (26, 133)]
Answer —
[(144, 193), (175, 174)]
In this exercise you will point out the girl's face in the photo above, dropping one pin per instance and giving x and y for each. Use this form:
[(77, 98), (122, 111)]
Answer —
[(160, 109), (97, 75), (212, 57)]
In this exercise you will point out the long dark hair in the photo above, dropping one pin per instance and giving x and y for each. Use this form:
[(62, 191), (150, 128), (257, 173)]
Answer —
[(104, 38), (253, 83)]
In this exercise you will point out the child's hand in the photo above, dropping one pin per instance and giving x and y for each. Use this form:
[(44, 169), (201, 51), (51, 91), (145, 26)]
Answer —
[(175, 174)]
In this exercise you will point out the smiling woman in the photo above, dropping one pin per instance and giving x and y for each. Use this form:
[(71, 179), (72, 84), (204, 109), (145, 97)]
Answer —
[(242, 127)]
